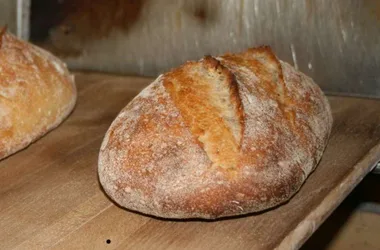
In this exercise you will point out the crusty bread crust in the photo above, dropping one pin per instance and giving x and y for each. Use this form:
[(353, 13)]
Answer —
[(36, 93), (153, 161), (207, 97)]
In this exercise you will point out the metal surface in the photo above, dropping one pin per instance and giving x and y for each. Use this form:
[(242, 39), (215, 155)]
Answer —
[(23, 18), (8, 13), (15, 15), (337, 43)]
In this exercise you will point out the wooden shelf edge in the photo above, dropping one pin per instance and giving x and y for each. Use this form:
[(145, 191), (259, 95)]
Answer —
[(302, 232)]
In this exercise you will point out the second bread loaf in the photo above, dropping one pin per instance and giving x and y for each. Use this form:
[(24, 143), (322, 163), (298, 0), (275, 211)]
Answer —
[(36, 93)]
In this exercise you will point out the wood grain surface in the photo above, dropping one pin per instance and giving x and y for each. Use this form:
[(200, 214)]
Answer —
[(50, 197)]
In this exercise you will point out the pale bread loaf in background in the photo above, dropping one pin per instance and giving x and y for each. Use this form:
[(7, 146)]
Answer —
[(36, 93), (219, 137)]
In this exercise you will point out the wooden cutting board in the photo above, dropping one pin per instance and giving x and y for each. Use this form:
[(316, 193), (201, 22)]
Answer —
[(50, 196)]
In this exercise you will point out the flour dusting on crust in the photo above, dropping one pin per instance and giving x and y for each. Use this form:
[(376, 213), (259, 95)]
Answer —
[(151, 162), (36, 93)]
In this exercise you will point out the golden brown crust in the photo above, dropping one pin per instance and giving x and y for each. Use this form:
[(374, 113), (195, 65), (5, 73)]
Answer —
[(36, 93), (203, 92), (151, 159), (234, 93)]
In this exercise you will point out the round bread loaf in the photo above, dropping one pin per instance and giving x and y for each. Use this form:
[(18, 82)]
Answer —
[(223, 136), (36, 93)]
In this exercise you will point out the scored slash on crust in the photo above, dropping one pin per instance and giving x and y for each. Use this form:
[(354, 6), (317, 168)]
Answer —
[(206, 93)]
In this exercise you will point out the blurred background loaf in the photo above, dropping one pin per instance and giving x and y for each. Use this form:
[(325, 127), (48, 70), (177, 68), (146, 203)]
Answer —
[(37, 93)]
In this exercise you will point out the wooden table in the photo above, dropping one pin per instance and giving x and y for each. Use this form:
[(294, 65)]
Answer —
[(50, 195)]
